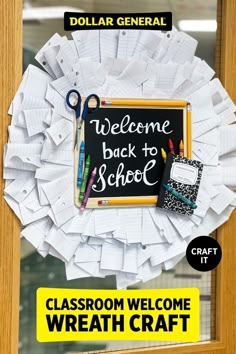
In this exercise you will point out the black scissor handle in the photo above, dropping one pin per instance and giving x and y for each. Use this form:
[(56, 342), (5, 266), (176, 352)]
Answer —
[(77, 105), (88, 109)]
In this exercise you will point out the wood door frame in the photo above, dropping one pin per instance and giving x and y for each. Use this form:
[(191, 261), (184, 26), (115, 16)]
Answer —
[(11, 70), (10, 76)]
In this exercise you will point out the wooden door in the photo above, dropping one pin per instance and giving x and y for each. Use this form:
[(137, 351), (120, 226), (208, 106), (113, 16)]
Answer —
[(11, 70)]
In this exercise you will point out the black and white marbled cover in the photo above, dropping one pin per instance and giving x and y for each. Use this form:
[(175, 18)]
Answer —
[(168, 201)]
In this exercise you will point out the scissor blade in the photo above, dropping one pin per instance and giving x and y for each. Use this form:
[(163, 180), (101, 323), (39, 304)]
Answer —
[(75, 144), (77, 134)]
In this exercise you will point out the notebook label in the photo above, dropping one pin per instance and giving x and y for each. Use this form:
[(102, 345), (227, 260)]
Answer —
[(183, 173)]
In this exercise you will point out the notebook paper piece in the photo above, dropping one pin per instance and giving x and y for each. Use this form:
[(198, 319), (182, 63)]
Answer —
[(133, 244)]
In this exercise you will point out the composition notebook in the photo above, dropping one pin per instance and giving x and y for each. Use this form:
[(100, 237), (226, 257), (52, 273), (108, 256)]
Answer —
[(184, 176)]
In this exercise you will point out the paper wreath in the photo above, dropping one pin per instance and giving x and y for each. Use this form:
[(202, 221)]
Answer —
[(134, 244)]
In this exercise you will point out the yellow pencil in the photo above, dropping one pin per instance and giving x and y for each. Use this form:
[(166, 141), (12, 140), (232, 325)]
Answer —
[(181, 148), (125, 102), (163, 154), (145, 201), (189, 131)]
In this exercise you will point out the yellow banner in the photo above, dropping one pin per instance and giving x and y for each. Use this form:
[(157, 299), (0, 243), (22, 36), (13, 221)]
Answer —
[(162, 314)]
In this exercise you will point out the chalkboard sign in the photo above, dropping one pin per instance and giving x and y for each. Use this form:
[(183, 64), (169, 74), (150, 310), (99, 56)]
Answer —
[(124, 143)]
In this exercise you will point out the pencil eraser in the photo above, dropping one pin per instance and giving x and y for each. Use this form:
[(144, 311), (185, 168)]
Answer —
[(82, 208), (100, 202), (103, 103)]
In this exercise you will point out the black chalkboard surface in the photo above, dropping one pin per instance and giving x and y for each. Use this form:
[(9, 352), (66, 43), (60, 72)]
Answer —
[(125, 145)]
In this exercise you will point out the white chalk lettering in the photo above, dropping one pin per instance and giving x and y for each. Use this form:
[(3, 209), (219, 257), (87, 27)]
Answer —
[(149, 150), (126, 126), (121, 179), (125, 152)]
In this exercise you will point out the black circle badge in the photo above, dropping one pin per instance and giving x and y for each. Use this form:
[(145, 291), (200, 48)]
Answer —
[(203, 253)]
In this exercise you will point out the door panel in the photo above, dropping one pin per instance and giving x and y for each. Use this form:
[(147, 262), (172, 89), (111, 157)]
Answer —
[(11, 63)]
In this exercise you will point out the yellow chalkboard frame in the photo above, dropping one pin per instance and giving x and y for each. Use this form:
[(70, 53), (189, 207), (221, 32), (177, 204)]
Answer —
[(138, 103)]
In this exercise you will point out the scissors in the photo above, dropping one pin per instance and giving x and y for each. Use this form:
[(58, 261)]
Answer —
[(77, 108)]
